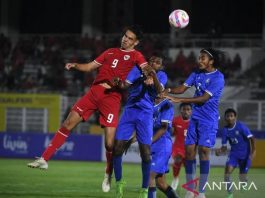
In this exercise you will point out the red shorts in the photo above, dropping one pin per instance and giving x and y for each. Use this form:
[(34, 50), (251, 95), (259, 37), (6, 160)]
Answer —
[(178, 151), (107, 102)]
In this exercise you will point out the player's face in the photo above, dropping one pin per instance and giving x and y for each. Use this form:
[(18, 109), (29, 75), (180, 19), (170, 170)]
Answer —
[(230, 119), (185, 112), (205, 62), (155, 63), (129, 40)]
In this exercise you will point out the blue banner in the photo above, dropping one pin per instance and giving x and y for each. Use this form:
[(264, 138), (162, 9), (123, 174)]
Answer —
[(30, 145)]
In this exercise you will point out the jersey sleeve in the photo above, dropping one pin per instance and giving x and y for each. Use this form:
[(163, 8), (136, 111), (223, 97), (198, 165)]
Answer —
[(140, 60), (245, 131), (215, 86), (101, 58), (133, 75), (162, 77), (224, 137), (167, 114), (190, 80)]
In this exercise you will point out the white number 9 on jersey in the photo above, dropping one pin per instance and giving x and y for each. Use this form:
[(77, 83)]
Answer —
[(114, 63)]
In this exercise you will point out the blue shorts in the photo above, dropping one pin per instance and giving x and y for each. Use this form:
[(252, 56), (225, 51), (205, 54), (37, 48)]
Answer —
[(136, 119), (201, 133), (243, 164), (161, 152)]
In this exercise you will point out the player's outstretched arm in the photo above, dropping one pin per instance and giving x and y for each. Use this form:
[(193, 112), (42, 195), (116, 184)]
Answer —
[(197, 100), (84, 67), (177, 90)]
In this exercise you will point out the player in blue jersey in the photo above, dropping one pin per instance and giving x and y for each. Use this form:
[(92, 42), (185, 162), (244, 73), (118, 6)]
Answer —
[(138, 116), (209, 84), (161, 148), (243, 148)]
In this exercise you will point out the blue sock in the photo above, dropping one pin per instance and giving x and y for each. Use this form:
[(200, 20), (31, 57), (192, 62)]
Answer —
[(229, 189), (204, 172), (146, 166), (190, 172), (117, 165), (152, 192)]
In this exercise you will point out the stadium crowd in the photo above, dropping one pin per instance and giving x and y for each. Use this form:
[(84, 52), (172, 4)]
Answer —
[(32, 63)]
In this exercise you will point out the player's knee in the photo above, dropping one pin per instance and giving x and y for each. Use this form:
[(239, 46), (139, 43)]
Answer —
[(204, 153), (109, 146), (145, 153), (67, 124), (118, 148)]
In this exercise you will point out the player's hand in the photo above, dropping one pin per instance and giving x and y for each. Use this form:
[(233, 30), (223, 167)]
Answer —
[(252, 155), (149, 81), (148, 70), (218, 152), (68, 66), (163, 94), (173, 99), (115, 81)]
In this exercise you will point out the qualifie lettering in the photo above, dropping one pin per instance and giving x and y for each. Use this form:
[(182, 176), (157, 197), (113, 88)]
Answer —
[(14, 144)]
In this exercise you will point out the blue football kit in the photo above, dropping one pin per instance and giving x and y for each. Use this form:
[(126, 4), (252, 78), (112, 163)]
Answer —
[(238, 138), (138, 111), (204, 119), (162, 148)]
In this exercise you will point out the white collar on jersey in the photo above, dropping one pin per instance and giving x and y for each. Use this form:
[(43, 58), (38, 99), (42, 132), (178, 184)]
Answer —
[(211, 72), (232, 127)]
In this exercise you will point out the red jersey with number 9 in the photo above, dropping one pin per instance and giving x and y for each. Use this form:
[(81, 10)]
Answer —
[(116, 62)]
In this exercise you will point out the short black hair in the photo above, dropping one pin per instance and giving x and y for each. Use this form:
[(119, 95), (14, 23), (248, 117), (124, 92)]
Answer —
[(217, 55), (136, 29), (184, 104), (230, 110)]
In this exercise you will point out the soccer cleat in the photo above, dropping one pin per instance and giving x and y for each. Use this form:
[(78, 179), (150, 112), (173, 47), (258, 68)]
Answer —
[(201, 195), (175, 183), (230, 195), (143, 193), (189, 195), (106, 183), (119, 188), (39, 163)]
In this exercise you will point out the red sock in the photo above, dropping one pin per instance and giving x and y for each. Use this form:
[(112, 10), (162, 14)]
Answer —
[(109, 167), (176, 169), (57, 141)]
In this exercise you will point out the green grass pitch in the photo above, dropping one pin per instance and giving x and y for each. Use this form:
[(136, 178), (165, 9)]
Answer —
[(83, 179)]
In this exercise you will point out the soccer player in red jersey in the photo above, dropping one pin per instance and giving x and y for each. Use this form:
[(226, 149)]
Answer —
[(180, 125), (102, 97)]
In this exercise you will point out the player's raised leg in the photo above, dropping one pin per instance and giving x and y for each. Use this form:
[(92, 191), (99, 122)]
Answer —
[(109, 142), (58, 140)]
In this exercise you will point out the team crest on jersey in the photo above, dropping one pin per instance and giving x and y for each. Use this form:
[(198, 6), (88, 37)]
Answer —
[(208, 80), (237, 132), (126, 57)]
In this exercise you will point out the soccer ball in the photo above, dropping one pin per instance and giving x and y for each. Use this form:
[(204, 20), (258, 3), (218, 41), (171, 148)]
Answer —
[(179, 19)]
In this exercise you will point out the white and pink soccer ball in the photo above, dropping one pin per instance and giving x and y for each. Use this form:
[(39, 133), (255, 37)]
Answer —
[(179, 19)]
